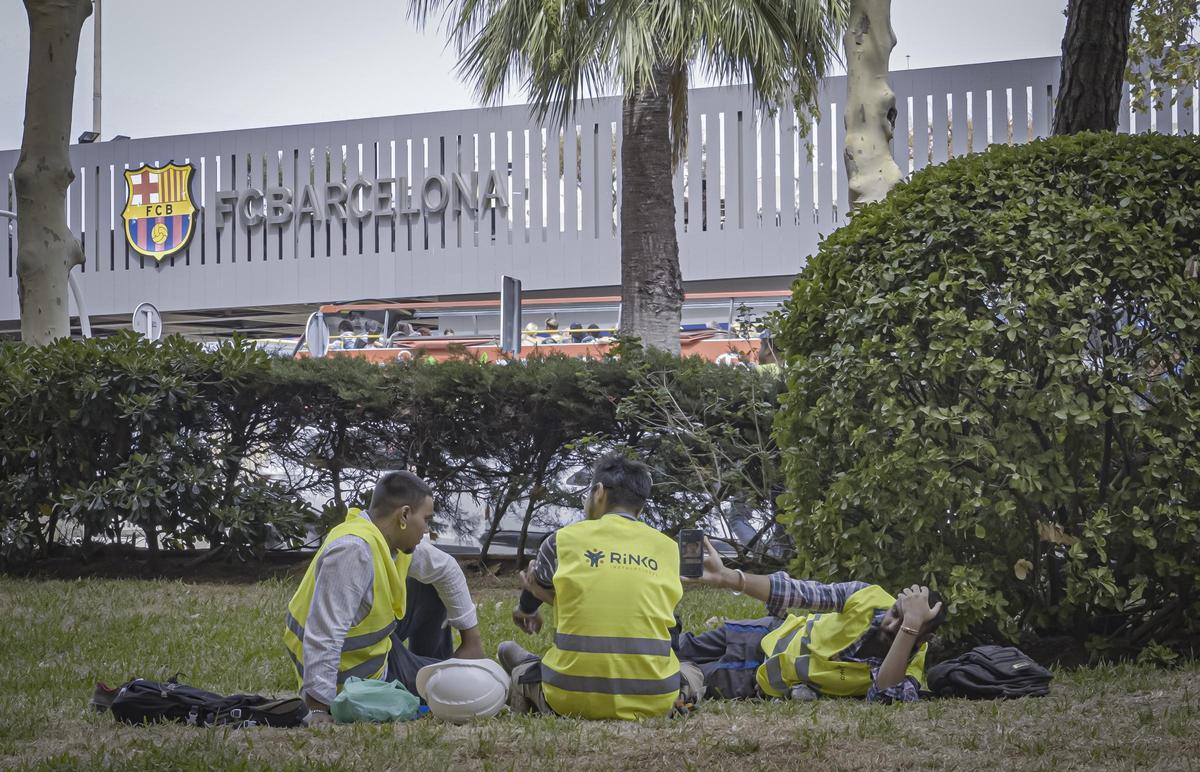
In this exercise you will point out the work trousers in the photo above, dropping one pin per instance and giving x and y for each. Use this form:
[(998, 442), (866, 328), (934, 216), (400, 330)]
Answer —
[(728, 656), (421, 638)]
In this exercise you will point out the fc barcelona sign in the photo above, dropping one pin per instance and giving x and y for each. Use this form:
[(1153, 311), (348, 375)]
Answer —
[(160, 213)]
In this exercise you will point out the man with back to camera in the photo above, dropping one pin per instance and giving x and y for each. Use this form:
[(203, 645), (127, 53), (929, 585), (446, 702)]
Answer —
[(859, 642), (615, 583), (374, 584)]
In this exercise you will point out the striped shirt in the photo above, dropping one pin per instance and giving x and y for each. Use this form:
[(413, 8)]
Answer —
[(343, 596), (788, 593)]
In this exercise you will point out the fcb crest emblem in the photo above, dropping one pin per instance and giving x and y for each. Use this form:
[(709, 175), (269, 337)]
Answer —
[(160, 213)]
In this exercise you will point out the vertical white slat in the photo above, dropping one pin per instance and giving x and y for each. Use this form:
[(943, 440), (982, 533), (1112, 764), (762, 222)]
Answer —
[(589, 187), (769, 184), (356, 229), (491, 156), (537, 185), (979, 118), (554, 183), (787, 166), (902, 85), (822, 158), (1164, 119), (227, 235), (74, 209), (920, 123), (749, 162), (1000, 114), (711, 159), (570, 175), (695, 171), (324, 162), (606, 169), (1041, 111), (383, 227), (959, 108), (1020, 112), (839, 153), (207, 185), (108, 198), (805, 200), (940, 128), (518, 199), (90, 206), (290, 166), (1186, 106), (732, 163), (255, 150)]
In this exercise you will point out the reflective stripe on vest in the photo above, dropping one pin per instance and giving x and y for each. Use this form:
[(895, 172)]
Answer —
[(616, 587), (366, 645), (595, 684), (597, 644), (808, 649)]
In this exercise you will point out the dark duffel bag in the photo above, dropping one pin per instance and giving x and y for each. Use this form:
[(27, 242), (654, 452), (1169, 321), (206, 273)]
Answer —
[(989, 673), (147, 702)]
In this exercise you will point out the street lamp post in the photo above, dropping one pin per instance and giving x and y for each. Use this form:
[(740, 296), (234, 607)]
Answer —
[(96, 70)]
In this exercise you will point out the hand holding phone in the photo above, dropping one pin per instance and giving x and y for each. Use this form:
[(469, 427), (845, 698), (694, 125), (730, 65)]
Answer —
[(691, 553)]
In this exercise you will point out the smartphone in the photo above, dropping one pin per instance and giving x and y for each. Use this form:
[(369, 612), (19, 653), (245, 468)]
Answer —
[(691, 553)]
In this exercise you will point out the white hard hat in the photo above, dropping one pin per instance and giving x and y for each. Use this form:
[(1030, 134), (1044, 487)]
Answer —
[(460, 690)]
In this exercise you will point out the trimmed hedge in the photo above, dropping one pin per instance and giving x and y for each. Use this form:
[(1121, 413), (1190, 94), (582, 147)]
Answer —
[(993, 389), (104, 436)]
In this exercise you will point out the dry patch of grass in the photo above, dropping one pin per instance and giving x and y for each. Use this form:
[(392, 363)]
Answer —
[(59, 638)]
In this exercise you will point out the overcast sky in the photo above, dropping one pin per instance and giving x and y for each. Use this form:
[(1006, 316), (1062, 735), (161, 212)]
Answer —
[(175, 67)]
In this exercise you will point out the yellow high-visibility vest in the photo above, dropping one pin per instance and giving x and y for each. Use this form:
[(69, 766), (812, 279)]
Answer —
[(616, 588), (365, 649), (803, 649)]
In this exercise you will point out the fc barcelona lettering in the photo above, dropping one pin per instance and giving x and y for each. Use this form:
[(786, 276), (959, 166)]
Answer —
[(160, 212)]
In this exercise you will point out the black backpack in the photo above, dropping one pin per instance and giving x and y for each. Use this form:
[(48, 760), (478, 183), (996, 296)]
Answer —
[(146, 702), (989, 673)]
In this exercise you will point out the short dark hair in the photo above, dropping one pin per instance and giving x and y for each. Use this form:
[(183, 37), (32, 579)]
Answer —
[(627, 482), (398, 489), (935, 598)]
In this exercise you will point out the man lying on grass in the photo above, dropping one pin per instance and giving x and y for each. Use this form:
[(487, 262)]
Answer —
[(615, 583), (373, 585), (859, 640)]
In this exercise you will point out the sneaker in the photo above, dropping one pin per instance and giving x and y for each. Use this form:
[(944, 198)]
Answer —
[(511, 654)]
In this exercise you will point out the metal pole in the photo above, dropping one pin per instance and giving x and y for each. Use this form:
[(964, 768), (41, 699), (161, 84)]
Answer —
[(96, 71)]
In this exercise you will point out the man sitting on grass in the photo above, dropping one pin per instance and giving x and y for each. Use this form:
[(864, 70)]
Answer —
[(373, 585), (860, 641), (615, 583)]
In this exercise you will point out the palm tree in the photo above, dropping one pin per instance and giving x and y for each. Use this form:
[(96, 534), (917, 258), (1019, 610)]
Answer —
[(560, 52)]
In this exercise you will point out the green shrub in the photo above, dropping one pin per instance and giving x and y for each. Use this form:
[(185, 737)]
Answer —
[(107, 439), (993, 389)]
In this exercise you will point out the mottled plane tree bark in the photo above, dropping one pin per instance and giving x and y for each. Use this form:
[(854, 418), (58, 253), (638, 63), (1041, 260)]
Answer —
[(47, 250)]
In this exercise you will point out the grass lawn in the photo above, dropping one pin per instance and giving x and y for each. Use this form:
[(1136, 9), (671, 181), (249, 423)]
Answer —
[(59, 637)]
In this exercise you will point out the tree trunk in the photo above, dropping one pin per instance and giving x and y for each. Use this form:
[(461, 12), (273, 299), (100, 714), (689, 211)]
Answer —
[(1094, 51), (47, 250), (651, 284), (870, 103)]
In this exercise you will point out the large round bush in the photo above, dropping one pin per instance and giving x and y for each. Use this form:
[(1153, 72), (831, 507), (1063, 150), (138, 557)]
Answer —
[(993, 389)]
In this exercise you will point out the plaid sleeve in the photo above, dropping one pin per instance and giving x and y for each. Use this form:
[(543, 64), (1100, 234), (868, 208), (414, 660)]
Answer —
[(907, 690), (788, 593)]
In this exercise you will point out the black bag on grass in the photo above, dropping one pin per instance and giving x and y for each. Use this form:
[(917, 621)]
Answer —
[(146, 702), (989, 673)]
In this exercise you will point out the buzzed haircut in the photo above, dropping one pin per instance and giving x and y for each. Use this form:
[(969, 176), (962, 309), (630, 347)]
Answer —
[(627, 482), (398, 489), (935, 598)]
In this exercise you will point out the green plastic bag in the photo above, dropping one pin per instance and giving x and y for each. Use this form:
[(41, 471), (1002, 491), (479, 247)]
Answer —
[(363, 699)]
